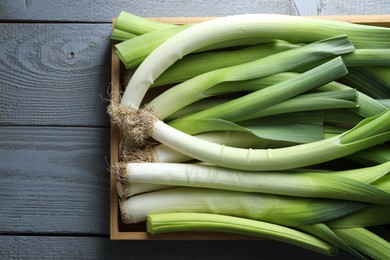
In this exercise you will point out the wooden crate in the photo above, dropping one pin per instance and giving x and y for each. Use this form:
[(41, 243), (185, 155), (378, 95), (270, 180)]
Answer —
[(120, 231)]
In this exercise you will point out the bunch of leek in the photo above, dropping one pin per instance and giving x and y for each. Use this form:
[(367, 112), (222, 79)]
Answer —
[(245, 142)]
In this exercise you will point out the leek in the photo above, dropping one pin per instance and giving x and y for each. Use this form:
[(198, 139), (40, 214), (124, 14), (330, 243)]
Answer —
[(368, 57), (372, 215), (127, 189), (133, 51), (305, 102), (381, 74), (367, 105), (283, 210), (367, 133), (322, 231), (119, 35), (366, 83), (303, 127), (366, 174), (383, 183), (138, 25), (179, 222), (162, 153), (372, 156), (306, 184), (365, 241)]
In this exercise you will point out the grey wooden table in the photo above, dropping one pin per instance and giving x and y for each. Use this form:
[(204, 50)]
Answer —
[(54, 132)]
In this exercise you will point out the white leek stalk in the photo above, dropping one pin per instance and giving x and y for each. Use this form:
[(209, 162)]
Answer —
[(282, 183), (163, 153), (127, 189), (369, 132), (283, 210)]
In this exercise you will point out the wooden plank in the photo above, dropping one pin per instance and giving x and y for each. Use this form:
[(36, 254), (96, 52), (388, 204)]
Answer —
[(54, 74), (54, 180), (350, 7), (306, 8), (104, 11), (49, 247), (378, 20)]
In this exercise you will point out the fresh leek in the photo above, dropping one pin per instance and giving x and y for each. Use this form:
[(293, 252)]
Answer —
[(179, 222), (365, 241), (306, 184), (368, 133), (277, 209)]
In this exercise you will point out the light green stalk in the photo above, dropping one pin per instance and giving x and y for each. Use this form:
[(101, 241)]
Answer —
[(368, 57), (299, 127), (385, 102), (367, 105), (361, 57), (366, 242), (246, 107), (183, 222), (366, 174), (260, 83), (133, 51), (366, 83), (383, 183), (138, 25), (322, 231), (327, 100), (193, 65), (196, 64), (309, 102), (119, 35), (346, 118), (192, 90), (382, 74), (372, 156), (372, 215)]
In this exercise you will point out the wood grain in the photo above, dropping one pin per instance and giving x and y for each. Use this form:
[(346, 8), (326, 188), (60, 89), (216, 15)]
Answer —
[(54, 186), (351, 7), (54, 180), (49, 247), (54, 74), (104, 11)]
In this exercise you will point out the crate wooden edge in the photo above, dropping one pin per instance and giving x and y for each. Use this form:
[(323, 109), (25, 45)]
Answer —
[(115, 233)]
